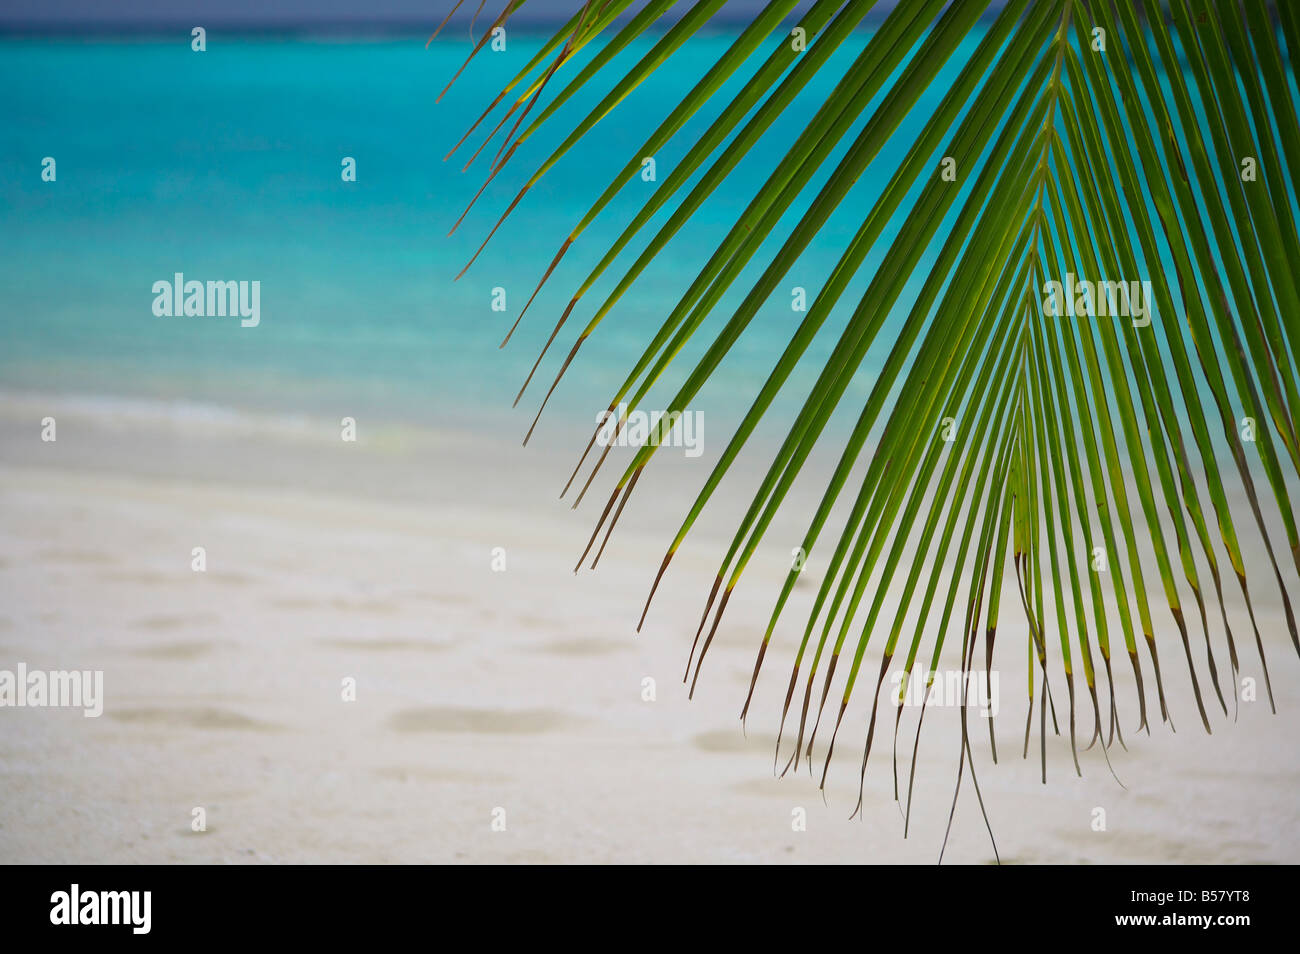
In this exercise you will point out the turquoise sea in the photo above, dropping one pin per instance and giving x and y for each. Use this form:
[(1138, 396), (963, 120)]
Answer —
[(225, 165)]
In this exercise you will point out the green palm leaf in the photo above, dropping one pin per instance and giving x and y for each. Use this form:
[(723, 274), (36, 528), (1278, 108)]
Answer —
[(1106, 138)]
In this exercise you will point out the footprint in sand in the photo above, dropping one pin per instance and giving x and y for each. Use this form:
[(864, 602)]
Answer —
[(197, 718), (75, 556), (381, 607), (404, 774), (142, 577), (384, 645), (232, 579), (384, 607), (175, 622), (454, 719), (770, 787), (733, 740), (294, 602), (176, 652), (582, 647)]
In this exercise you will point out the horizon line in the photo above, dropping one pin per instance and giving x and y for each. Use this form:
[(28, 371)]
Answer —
[(369, 26)]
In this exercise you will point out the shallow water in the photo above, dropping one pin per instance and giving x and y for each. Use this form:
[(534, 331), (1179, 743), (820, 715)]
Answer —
[(225, 165)]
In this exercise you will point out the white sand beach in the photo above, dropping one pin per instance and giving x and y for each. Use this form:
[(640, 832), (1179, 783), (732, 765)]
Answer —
[(478, 690)]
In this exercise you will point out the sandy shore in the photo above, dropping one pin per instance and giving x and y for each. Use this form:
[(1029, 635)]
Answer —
[(476, 689)]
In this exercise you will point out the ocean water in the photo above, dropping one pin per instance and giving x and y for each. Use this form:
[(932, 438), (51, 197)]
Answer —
[(225, 165)]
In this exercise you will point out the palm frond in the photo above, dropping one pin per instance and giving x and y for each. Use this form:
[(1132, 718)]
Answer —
[(1105, 138)]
